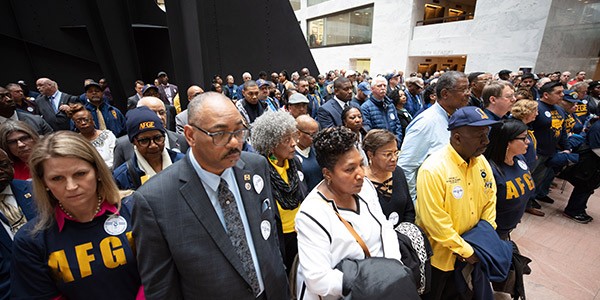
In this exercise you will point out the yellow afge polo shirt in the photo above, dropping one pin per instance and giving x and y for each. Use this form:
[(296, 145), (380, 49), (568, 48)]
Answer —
[(452, 196)]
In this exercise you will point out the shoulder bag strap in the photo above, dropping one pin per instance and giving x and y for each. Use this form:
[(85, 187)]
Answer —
[(355, 235)]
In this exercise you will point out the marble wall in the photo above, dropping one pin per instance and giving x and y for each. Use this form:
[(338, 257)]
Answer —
[(571, 41), (546, 35)]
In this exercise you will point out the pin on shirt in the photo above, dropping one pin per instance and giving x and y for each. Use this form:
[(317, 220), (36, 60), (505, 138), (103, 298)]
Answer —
[(258, 182), (115, 225), (265, 229)]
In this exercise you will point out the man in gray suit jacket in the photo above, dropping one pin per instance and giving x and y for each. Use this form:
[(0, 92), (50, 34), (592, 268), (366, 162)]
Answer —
[(175, 141), (187, 218), (53, 104)]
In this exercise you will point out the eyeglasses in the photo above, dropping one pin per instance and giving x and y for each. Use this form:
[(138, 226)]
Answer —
[(522, 138), (157, 139), (391, 154), (312, 135), (23, 139), (222, 138), (82, 120)]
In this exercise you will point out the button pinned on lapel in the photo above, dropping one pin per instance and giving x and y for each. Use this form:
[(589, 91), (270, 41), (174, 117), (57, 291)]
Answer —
[(247, 186), (246, 177), (28, 195), (259, 183), (265, 229)]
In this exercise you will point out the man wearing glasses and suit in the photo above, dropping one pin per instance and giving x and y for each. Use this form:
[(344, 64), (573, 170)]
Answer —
[(205, 227)]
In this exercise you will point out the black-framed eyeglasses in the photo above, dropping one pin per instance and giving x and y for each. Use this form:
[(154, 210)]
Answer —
[(312, 135), (222, 138), (157, 139), (23, 139), (522, 138)]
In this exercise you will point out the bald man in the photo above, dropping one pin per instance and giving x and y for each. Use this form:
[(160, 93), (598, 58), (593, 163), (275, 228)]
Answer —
[(217, 235), (307, 128), (174, 141), (182, 118)]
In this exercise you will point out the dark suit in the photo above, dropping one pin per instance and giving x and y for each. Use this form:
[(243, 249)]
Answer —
[(330, 114), (56, 120), (124, 148), (183, 250), (173, 89), (35, 122), (132, 101), (22, 192)]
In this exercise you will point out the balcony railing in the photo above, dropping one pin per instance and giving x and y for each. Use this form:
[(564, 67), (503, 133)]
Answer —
[(468, 16)]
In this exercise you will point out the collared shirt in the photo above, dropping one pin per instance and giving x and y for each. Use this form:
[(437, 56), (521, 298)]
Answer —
[(9, 198), (427, 133), (452, 196), (14, 117), (211, 182), (303, 152), (61, 216), (340, 102), (55, 100)]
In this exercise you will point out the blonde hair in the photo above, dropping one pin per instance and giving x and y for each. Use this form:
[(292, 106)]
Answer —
[(523, 108), (72, 145)]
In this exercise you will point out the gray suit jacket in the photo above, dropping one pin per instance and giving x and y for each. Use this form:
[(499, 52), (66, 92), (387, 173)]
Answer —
[(56, 120), (36, 122), (181, 120), (183, 251), (124, 148)]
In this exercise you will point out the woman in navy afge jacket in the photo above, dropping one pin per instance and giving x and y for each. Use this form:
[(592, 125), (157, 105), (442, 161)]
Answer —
[(80, 246)]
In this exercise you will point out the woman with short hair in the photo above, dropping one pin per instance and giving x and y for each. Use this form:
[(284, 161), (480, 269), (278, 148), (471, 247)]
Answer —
[(17, 139), (274, 136), (323, 239), (388, 178), (103, 140), (80, 246)]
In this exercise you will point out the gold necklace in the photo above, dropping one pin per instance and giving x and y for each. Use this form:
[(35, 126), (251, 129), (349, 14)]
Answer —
[(71, 216)]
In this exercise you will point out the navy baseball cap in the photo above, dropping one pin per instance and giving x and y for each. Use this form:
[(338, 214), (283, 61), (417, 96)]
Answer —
[(262, 82), (91, 84), (149, 86), (470, 116), (365, 88), (142, 119), (571, 96)]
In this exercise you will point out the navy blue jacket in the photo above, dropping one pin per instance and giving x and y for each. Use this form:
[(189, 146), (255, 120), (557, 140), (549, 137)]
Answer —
[(381, 114), (495, 258), (22, 192), (113, 118), (123, 177)]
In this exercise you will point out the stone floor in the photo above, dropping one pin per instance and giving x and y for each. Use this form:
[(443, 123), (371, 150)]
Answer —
[(565, 254)]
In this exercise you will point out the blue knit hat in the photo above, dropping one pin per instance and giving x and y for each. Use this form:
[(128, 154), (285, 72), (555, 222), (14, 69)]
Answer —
[(142, 119)]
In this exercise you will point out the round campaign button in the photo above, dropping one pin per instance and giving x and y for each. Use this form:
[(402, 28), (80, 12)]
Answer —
[(115, 225), (457, 192)]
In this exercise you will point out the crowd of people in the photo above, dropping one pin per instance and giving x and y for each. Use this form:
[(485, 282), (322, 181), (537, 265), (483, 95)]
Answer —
[(287, 185)]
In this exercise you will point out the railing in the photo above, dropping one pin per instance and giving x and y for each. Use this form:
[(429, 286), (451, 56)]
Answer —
[(468, 16)]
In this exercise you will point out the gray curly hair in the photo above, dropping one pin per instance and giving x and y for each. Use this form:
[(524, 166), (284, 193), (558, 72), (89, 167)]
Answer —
[(270, 129)]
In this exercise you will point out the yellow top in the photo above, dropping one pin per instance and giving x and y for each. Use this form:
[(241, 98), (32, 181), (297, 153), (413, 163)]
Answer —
[(177, 103), (287, 216), (452, 196)]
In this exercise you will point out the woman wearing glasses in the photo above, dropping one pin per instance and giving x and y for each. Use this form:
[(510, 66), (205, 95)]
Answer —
[(514, 183), (382, 151), (274, 136), (103, 140), (17, 140), (147, 134)]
